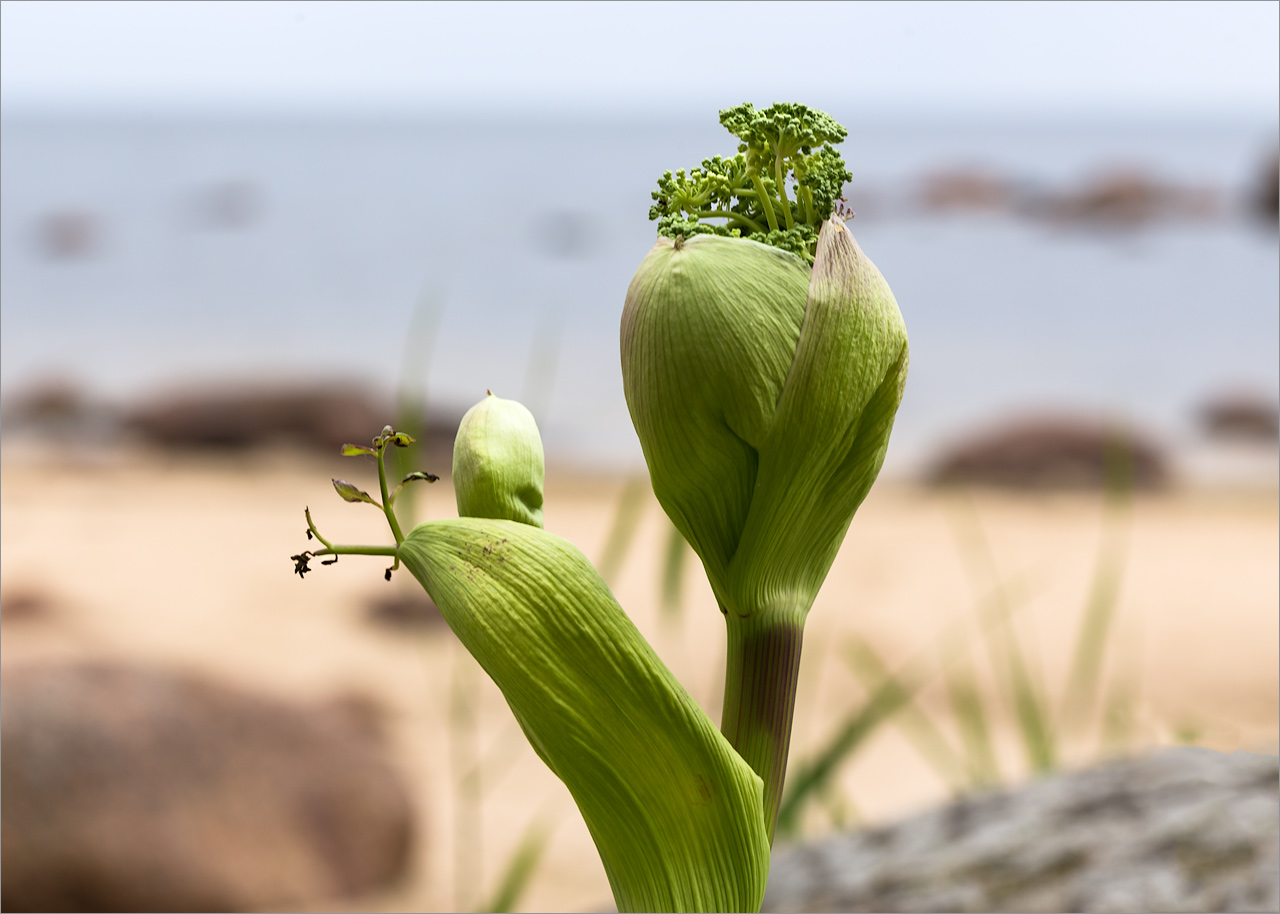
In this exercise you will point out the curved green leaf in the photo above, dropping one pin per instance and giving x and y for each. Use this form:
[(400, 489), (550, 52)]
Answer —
[(674, 811)]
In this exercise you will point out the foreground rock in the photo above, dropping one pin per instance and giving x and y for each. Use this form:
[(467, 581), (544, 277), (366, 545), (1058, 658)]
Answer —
[(127, 789), (1182, 830)]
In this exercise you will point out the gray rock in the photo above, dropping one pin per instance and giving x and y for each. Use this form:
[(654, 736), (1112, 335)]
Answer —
[(127, 789), (1184, 829)]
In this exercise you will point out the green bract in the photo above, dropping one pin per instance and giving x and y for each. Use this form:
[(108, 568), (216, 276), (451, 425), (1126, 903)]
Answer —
[(763, 395), (674, 811), (498, 462)]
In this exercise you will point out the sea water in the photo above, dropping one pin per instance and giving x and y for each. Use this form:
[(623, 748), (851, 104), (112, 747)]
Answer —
[(451, 257)]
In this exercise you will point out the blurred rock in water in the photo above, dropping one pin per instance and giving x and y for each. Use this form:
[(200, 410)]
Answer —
[(59, 409), (229, 205), (1242, 416), (128, 789), (1266, 196), (1185, 829), (69, 235), (321, 417), (1053, 452), (967, 190), (1127, 198)]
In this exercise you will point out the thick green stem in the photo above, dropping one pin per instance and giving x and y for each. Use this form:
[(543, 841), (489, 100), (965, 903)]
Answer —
[(760, 696)]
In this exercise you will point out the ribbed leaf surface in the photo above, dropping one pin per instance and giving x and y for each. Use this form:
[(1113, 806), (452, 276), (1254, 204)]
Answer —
[(674, 811), (708, 334)]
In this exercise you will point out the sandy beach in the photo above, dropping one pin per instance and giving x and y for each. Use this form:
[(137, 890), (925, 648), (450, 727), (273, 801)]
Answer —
[(184, 563)]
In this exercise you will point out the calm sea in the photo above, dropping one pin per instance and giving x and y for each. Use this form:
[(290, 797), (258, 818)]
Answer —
[(143, 253)]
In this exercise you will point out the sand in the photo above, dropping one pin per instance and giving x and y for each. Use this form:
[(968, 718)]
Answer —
[(185, 562)]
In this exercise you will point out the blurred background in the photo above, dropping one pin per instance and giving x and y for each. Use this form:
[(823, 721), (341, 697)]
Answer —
[(234, 236)]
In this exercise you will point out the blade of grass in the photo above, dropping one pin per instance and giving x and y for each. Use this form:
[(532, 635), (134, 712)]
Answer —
[(673, 572), (1081, 690), (622, 531), (969, 711), (810, 777), (496, 761), (1120, 705), (813, 775), (520, 868), (411, 392), (1020, 680), (842, 811), (1023, 692), (463, 735), (915, 724)]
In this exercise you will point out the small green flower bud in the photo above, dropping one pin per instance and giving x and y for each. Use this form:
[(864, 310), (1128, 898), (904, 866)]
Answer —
[(498, 465)]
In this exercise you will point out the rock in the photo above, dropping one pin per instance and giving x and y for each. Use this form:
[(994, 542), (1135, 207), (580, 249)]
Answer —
[(69, 235), (128, 789), (1184, 829), (322, 417), (1052, 452), (1127, 198), (967, 190), (1241, 416), (1265, 201), (24, 605)]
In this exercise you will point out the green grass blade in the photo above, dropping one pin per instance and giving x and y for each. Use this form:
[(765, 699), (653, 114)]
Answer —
[(622, 531), (915, 724), (673, 572), (1081, 691), (1124, 693), (468, 838), (969, 711), (520, 869), (1019, 686), (1020, 680), (841, 811), (812, 777), (411, 394)]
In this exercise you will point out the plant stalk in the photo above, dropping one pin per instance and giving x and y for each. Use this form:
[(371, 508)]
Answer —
[(386, 506), (760, 696)]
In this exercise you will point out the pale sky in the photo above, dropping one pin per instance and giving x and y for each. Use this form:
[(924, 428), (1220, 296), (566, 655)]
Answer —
[(1161, 58)]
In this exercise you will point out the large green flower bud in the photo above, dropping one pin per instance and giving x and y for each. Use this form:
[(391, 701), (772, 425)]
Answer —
[(763, 394), (498, 465), (708, 334)]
